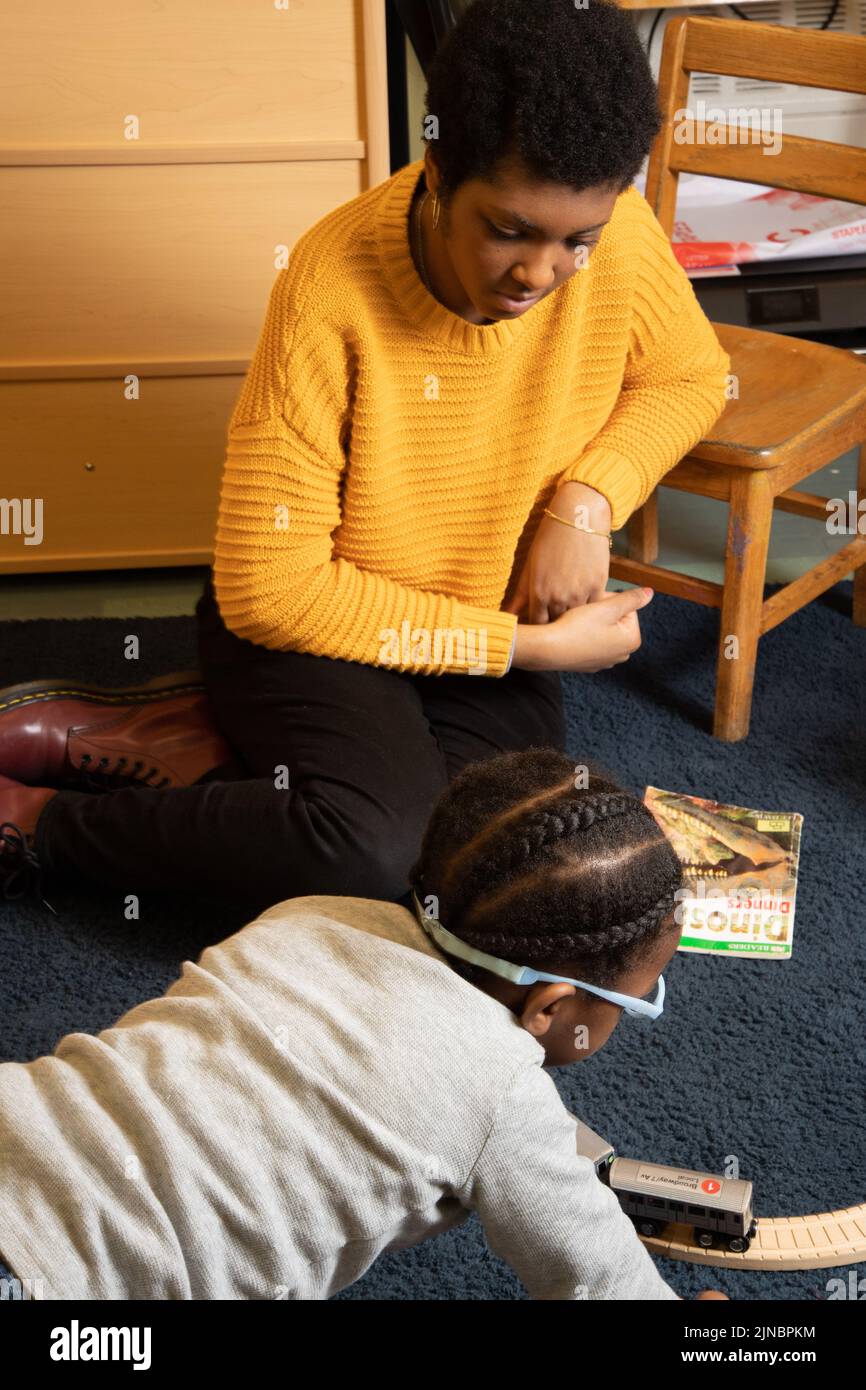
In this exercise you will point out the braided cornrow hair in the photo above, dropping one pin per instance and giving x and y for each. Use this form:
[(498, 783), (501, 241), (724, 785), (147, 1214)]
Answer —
[(526, 865)]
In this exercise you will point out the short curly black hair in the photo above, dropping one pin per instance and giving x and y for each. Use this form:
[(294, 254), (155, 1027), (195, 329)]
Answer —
[(568, 91)]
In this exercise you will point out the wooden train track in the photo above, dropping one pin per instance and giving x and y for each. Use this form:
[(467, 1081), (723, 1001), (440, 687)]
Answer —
[(821, 1241)]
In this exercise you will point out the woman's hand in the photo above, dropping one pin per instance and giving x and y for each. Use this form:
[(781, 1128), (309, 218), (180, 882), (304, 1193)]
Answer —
[(592, 638), (564, 568)]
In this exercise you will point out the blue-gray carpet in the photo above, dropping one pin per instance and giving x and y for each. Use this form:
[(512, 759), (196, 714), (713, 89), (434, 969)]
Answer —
[(763, 1060)]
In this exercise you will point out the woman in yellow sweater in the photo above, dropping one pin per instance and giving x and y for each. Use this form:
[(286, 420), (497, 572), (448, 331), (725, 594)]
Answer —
[(468, 376)]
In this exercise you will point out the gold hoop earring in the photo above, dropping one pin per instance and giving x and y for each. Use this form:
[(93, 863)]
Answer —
[(436, 209)]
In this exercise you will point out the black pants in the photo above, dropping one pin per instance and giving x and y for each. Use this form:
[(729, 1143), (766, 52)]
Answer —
[(365, 751)]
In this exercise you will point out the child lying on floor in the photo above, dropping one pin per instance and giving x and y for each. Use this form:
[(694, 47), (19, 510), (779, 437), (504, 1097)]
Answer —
[(344, 1076)]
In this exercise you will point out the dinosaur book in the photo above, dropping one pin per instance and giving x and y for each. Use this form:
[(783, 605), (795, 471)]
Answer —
[(739, 874)]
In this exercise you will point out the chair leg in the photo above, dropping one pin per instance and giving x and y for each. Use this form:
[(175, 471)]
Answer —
[(749, 520), (860, 574), (642, 530)]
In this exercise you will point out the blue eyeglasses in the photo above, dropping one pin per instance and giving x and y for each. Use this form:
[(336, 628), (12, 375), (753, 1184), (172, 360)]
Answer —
[(524, 974)]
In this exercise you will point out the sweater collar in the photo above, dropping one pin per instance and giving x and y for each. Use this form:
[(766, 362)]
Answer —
[(419, 305)]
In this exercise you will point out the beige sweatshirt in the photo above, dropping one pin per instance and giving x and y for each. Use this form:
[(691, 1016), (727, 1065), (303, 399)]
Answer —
[(317, 1089)]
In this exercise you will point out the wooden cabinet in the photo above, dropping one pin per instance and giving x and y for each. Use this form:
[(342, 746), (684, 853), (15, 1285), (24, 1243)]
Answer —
[(135, 272)]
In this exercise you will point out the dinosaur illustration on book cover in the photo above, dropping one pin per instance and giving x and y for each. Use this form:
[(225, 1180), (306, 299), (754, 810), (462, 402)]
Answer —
[(745, 861)]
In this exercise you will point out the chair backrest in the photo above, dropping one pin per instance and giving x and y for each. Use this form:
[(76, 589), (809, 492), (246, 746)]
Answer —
[(770, 53)]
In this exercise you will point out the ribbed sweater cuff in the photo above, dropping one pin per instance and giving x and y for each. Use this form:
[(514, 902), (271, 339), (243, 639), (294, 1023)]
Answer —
[(611, 474), (491, 640)]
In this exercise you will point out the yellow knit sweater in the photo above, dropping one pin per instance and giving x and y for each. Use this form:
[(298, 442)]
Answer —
[(388, 462)]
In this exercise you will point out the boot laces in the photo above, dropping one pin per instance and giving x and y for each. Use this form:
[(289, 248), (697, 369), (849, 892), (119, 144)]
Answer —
[(96, 776), (20, 869)]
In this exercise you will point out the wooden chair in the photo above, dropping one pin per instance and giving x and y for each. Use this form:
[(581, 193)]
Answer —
[(800, 404)]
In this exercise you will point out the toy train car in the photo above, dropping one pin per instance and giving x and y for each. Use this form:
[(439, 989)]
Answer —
[(719, 1210)]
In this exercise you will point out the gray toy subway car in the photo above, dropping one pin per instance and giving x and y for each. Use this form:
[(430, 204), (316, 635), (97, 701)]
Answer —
[(718, 1209)]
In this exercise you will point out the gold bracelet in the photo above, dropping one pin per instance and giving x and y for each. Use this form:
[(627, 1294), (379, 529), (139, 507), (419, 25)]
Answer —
[(574, 526)]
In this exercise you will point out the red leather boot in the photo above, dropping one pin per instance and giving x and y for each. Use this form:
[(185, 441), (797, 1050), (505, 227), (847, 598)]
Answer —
[(20, 809), (66, 734)]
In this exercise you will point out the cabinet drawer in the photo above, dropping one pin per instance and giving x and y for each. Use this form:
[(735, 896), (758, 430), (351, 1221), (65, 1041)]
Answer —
[(122, 483), (149, 263)]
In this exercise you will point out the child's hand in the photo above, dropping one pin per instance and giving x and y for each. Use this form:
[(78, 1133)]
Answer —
[(712, 1293)]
